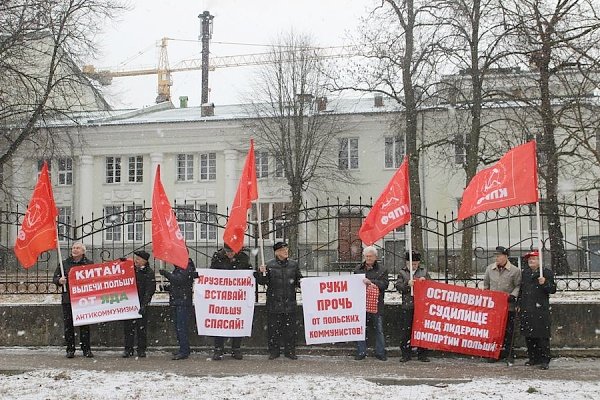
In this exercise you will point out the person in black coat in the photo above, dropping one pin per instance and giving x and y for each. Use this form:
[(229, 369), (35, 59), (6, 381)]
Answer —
[(375, 274), (282, 276), (181, 283), (534, 310), (146, 286), (228, 259), (77, 258)]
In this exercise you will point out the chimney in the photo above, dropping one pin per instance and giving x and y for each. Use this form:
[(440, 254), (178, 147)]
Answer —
[(378, 100), (304, 98), (207, 110), (183, 101), (321, 103)]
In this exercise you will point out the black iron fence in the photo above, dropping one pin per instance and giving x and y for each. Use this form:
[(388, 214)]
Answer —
[(327, 241)]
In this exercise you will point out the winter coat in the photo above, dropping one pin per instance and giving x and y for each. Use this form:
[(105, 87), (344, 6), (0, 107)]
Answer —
[(508, 280), (67, 265), (534, 303), (379, 276), (221, 261), (146, 285), (403, 287), (181, 284), (282, 279)]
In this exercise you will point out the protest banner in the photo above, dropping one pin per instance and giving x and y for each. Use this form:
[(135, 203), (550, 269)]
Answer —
[(224, 302), (334, 309), (103, 292), (459, 319)]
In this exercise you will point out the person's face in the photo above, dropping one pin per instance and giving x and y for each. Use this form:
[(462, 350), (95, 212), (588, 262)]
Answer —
[(501, 259), (139, 261), (77, 250), (282, 253), (230, 254), (533, 262), (415, 264), (370, 258)]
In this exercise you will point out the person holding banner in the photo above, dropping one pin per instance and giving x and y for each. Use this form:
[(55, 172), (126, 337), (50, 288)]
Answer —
[(181, 282), (146, 286), (77, 258), (282, 276), (502, 276), (228, 259), (404, 283), (534, 310), (375, 275)]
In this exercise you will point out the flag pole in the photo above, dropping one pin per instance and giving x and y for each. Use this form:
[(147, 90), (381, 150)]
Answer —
[(410, 255), (260, 236), (539, 232), (60, 260)]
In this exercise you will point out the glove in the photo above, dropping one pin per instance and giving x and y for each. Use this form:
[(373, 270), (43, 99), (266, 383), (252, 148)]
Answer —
[(142, 310), (122, 259), (511, 299)]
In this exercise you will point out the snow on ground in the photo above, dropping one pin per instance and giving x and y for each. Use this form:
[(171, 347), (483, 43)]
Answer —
[(79, 385)]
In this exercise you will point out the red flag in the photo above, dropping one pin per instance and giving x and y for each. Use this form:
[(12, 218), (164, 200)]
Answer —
[(511, 181), (38, 231), (246, 193), (167, 241), (391, 210)]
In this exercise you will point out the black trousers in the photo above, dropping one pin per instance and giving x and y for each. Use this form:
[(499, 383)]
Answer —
[(406, 322), (508, 336), (282, 327), (538, 349), (236, 343), (84, 331), (136, 327)]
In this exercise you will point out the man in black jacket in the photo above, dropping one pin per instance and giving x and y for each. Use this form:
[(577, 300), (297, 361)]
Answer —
[(146, 286), (228, 259), (77, 258), (282, 277), (534, 304), (375, 274), (180, 299)]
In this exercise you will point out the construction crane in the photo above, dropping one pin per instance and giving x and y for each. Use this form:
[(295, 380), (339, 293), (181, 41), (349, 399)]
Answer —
[(105, 76)]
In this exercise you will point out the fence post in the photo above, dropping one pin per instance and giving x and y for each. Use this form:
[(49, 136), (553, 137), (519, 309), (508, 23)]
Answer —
[(446, 249)]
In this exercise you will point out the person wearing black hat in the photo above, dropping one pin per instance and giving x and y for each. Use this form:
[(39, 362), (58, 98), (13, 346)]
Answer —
[(404, 283), (146, 286), (282, 276), (502, 276), (228, 259), (534, 310)]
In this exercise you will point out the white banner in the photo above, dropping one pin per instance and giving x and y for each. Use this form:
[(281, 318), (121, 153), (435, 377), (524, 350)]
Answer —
[(224, 302), (334, 309)]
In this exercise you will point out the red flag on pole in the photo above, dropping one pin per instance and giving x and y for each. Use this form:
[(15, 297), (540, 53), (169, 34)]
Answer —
[(167, 241), (511, 181), (391, 210), (38, 231), (247, 192)]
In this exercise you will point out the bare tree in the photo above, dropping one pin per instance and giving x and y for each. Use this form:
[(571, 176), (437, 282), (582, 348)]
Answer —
[(290, 109), (41, 44)]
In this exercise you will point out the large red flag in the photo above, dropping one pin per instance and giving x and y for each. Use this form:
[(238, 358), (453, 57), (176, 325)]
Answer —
[(391, 210), (38, 231), (167, 241), (246, 193), (511, 181)]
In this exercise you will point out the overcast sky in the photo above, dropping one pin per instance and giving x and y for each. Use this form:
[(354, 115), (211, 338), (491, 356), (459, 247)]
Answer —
[(134, 35)]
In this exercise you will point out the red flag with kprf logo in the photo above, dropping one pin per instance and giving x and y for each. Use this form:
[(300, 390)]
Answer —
[(38, 230), (391, 210), (246, 193), (511, 181), (168, 243)]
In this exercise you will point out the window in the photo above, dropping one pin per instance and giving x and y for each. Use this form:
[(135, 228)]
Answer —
[(187, 221), (208, 166), (394, 151), (65, 171), (136, 169), (185, 167), (134, 219), (273, 220), (208, 220), (64, 223), (459, 149), (114, 223), (279, 168), (262, 164), (348, 153), (280, 229), (113, 169)]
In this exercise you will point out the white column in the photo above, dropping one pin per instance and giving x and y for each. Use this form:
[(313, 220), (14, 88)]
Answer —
[(20, 189), (156, 159), (86, 188), (231, 176)]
